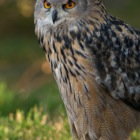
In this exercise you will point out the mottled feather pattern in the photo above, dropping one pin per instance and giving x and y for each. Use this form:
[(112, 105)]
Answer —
[(96, 63), (117, 59)]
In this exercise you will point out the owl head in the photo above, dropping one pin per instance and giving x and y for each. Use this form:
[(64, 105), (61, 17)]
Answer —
[(54, 12)]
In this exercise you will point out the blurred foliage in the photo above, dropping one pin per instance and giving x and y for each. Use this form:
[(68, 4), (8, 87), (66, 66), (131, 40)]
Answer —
[(10, 100), (30, 104), (26, 117), (35, 126)]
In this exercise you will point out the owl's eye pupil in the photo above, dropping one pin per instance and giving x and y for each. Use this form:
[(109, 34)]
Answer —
[(48, 4), (70, 4)]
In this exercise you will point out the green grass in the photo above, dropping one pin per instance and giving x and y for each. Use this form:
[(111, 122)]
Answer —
[(34, 126), (34, 117)]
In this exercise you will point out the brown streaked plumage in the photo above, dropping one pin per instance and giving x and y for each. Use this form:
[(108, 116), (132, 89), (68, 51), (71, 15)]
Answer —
[(95, 59)]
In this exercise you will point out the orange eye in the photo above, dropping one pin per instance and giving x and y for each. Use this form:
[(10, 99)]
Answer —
[(69, 5), (47, 5)]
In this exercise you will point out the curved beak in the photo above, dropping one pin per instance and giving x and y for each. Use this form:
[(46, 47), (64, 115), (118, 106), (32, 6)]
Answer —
[(54, 16)]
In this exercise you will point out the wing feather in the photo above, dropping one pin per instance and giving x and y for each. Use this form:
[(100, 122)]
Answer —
[(116, 55)]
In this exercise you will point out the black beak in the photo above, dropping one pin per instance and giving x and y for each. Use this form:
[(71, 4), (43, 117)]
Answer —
[(54, 16)]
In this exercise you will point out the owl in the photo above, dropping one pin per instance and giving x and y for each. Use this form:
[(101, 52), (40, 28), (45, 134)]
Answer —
[(95, 59)]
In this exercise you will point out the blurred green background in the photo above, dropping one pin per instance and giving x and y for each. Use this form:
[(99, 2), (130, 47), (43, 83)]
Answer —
[(30, 105)]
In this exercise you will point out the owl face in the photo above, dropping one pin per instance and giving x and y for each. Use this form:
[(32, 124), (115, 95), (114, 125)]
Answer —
[(54, 12)]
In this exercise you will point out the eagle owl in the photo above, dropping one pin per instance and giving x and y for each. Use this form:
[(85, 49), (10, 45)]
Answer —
[(95, 59)]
